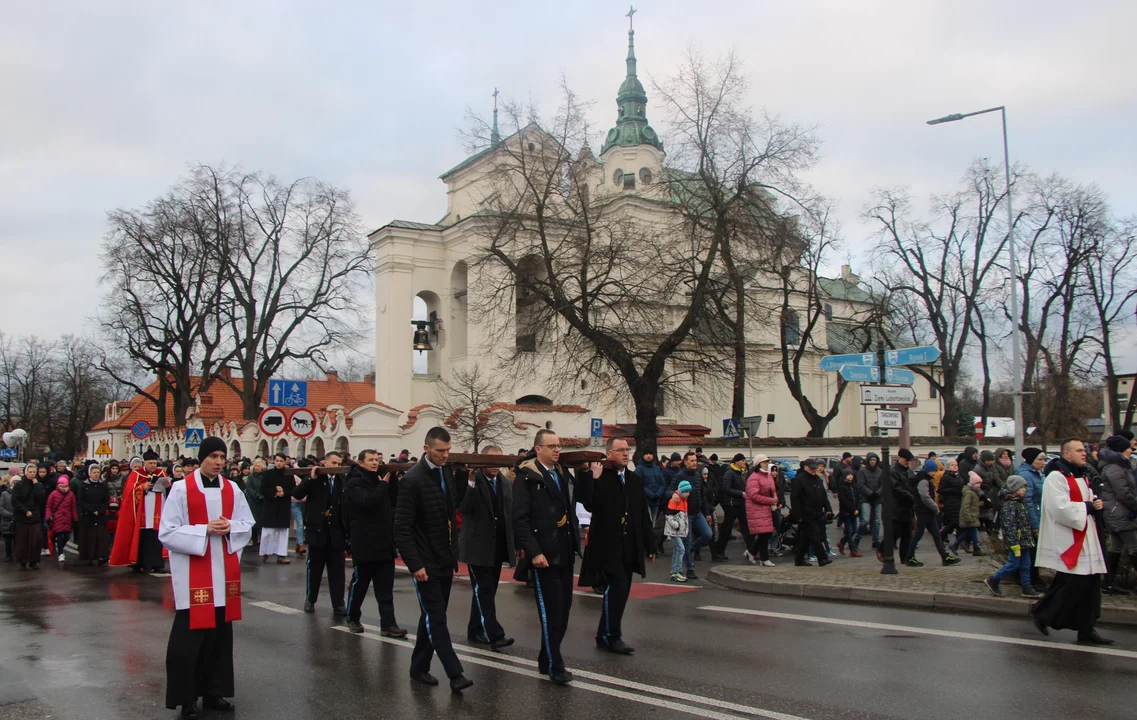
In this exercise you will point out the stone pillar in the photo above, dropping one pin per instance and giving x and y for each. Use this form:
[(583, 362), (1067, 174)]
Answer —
[(394, 307)]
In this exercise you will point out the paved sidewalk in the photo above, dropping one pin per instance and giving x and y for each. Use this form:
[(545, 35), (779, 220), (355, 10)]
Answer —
[(933, 586)]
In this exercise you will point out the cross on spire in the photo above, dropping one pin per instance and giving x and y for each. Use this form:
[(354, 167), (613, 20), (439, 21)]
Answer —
[(631, 12), (495, 94)]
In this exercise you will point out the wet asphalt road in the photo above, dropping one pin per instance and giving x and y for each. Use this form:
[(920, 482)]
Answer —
[(79, 642)]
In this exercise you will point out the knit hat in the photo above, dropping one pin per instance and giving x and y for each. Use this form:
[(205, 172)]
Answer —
[(930, 466), (62, 482), (684, 486), (974, 479), (1030, 454), (986, 456), (209, 446), (676, 456), (1015, 483), (738, 457), (1117, 443)]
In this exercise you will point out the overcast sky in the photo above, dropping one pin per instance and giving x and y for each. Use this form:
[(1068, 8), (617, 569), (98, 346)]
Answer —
[(105, 104)]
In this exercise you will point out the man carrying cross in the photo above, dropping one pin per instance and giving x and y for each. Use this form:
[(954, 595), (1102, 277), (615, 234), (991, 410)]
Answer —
[(205, 525)]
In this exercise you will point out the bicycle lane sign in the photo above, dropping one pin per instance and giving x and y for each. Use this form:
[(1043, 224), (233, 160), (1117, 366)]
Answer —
[(288, 393)]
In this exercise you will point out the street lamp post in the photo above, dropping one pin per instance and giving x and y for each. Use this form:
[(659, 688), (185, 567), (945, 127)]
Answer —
[(1016, 350)]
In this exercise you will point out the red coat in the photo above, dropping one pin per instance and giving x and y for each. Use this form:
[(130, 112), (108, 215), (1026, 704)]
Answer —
[(62, 511), (761, 498), (131, 519)]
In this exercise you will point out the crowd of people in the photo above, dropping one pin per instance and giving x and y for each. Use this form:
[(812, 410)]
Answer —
[(1074, 514)]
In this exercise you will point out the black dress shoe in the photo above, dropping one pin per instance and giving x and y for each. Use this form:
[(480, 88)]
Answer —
[(802, 564), (339, 611), (616, 645), (690, 574), (564, 677), (480, 639), (217, 703), (393, 632), (458, 683), (502, 642), (190, 711), (309, 607), (424, 677), (822, 562), (1092, 638)]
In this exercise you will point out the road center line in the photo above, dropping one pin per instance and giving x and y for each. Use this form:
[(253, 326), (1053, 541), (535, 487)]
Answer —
[(1093, 650), (282, 609), (600, 689)]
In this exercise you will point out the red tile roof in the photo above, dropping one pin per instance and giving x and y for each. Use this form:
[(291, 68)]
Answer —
[(222, 404)]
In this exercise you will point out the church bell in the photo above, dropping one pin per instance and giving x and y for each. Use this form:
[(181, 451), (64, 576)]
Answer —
[(422, 337)]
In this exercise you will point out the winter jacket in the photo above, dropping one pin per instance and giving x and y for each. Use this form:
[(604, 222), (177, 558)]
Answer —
[(367, 516), (277, 511), (425, 530), (733, 491), (699, 500), (761, 499), (897, 494), (7, 515), (94, 497), (951, 495), (62, 512), (809, 498), (987, 510), (925, 503), (967, 460), (969, 508), (870, 480), (1014, 520), (1033, 499), (999, 474), (654, 482), (847, 499), (28, 497), (1118, 492), (677, 506)]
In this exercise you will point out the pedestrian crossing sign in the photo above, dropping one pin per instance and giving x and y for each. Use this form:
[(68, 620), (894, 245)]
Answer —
[(194, 436), (104, 448)]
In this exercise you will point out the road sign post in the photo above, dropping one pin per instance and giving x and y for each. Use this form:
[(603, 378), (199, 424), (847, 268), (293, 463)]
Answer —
[(833, 363), (860, 373), (730, 429), (750, 426)]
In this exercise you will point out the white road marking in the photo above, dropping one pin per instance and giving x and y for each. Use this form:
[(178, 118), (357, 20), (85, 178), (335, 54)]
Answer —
[(461, 651), (1091, 649), (282, 609)]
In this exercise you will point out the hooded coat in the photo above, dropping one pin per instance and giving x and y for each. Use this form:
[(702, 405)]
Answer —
[(870, 480), (761, 499), (1118, 492), (967, 460), (1033, 499), (62, 511), (951, 494)]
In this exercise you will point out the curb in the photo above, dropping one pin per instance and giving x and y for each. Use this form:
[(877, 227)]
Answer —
[(942, 602)]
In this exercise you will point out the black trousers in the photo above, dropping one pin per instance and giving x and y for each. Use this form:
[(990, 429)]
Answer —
[(760, 546), (894, 529), (320, 558), (433, 633), (729, 515), (615, 600), (198, 662), (554, 602), (809, 538), (483, 604), (931, 524), (383, 573), (149, 551)]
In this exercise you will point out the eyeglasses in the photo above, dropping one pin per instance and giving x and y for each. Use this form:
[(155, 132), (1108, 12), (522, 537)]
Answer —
[(551, 447)]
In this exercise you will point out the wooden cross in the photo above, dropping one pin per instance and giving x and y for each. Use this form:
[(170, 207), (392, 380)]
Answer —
[(631, 12)]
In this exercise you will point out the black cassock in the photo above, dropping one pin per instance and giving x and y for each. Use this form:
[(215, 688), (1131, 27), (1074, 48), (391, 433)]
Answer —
[(198, 662)]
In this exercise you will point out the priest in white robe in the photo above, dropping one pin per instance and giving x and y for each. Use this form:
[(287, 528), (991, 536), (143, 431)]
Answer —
[(1068, 544), (205, 524)]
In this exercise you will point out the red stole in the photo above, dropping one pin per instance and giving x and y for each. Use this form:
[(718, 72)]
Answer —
[(201, 610), (1072, 553), (132, 518)]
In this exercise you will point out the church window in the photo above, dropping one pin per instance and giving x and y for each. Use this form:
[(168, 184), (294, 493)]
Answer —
[(630, 181), (645, 176), (791, 328), (828, 312), (532, 147), (618, 178)]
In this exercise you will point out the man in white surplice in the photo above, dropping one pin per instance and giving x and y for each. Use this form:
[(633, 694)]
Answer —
[(199, 662)]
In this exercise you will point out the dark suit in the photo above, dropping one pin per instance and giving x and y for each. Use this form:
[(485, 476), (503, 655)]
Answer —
[(324, 533), (486, 541), (619, 538), (426, 537), (544, 523)]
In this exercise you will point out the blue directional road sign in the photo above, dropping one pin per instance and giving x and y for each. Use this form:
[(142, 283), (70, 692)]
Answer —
[(912, 356), (288, 393), (194, 436), (730, 429), (8, 453), (833, 363), (861, 373), (596, 431), (899, 376)]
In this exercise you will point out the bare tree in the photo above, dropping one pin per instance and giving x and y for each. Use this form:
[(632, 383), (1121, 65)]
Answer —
[(292, 265), (1111, 274), (165, 302), (936, 271), (469, 401), (584, 276)]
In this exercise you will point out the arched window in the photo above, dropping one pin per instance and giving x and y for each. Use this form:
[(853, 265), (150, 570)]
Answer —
[(341, 444), (458, 310), (301, 447), (791, 328), (282, 446), (530, 274), (427, 362), (318, 447), (262, 449), (534, 400), (234, 450)]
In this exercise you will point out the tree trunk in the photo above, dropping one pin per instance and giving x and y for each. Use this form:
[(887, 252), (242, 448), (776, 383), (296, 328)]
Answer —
[(160, 406), (646, 396)]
